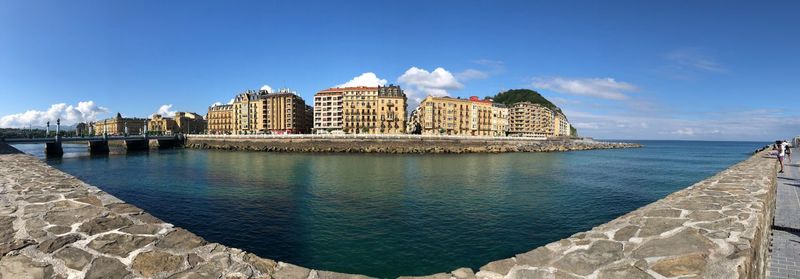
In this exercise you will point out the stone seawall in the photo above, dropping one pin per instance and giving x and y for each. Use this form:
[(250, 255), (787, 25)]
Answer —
[(717, 228), (53, 225), (388, 145)]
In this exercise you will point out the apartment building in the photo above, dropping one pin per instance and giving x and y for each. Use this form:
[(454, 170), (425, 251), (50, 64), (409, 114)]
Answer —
[(455, 116), (259, 112), (220, 119), (499, 120), (530, 120), (357, 110), (328, 110), (119, 125), (182, 122), (561, 126)]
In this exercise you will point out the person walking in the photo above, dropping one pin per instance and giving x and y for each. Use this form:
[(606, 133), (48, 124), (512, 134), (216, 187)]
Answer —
[(788, 151), (781, 152)]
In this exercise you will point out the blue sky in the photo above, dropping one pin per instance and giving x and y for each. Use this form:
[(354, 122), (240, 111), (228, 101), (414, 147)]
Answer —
[(710, 70)]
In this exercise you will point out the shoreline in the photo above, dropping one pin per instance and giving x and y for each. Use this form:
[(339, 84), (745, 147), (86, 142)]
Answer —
[(406, 144)]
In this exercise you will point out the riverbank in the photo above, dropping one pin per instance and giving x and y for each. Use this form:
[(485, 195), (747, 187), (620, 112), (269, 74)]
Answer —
[(716, 228), (394, 144)]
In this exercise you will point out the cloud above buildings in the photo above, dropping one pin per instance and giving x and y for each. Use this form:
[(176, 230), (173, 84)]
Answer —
[(166, 111), (69, 115), (366, 79), (721, 125), (419, 83), (690, 64), (266, 88), (469, 74), (486, 68), (604, 88)]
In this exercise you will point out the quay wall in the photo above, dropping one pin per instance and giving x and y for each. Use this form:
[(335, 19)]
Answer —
[(393, 144), (53, 225)]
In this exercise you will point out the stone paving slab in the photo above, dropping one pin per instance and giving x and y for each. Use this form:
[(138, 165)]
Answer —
[(787, 205), (785, 245)]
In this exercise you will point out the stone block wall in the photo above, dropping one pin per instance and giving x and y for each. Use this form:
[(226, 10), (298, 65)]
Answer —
[(400, 145), (717, 228)]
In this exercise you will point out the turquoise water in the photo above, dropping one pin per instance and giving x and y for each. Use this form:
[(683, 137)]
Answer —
[(387, 215)]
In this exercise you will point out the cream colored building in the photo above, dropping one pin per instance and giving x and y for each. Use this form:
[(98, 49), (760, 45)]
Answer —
[(220, 119), (357, 110), (454, 116), (530, 120), (499, 120), (119, 125), (182, 122), (561, 125)]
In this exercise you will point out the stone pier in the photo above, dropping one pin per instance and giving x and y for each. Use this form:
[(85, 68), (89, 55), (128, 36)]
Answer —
[(53, 225)]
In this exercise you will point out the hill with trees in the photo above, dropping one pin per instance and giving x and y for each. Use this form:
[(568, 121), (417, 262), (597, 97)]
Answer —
[(513, 96)]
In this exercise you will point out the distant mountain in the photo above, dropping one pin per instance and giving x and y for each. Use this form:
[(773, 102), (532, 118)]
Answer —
[(514, 96)]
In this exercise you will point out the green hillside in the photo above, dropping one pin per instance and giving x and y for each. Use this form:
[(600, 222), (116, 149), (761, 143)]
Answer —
[(513, 96)]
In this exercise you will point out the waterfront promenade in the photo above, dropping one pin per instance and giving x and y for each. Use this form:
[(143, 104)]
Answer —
[(54, 225), (785, 246)]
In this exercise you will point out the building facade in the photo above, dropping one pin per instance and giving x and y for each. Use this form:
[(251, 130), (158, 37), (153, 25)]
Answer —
[(455, 116), (220, 119), (357, 110), (499, 120), (284, 112), (118, 126), (182, 122), (262, 112), (530, 120), (328, 111), (561, 126)]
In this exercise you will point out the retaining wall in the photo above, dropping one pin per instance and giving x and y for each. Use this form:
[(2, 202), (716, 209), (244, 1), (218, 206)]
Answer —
[(392, 144)]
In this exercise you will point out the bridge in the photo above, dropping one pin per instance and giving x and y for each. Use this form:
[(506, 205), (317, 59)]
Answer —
[(98, 144)]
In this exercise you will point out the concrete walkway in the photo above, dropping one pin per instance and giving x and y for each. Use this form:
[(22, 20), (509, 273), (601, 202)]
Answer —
[(785, 247)]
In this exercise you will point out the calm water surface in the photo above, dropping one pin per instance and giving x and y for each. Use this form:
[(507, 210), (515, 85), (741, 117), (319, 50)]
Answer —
[(388, 215)]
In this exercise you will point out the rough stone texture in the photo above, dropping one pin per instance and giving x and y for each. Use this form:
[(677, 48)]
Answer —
[(393, 144), (717, 228), (53, 225)]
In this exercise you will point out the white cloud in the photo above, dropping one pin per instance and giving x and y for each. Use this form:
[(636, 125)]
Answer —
[(685, 132), (267, 88), (605, 88), (755, 125), (586, 125), (469, 74), (69, 115), (166, 111), (419, 83), (231, 101), (366, 79), (693, 59), (216, 104)]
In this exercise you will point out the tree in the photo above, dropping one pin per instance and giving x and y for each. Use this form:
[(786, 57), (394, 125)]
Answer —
[(514, 96)]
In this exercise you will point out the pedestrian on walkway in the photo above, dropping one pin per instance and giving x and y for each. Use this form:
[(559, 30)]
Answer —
[(781, 152), (788, 151)]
